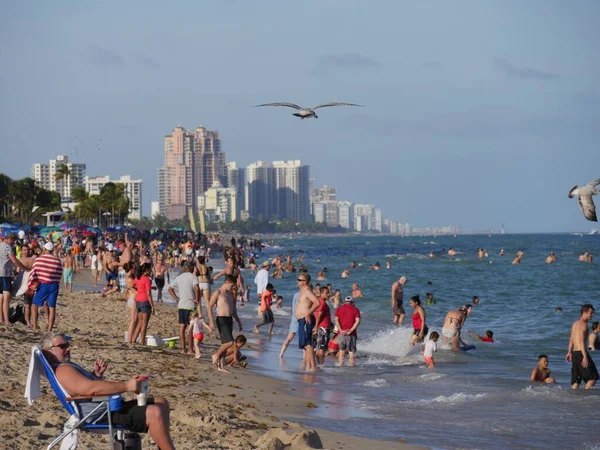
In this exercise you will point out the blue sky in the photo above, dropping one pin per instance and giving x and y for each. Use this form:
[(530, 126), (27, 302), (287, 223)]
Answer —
[(477, 113)]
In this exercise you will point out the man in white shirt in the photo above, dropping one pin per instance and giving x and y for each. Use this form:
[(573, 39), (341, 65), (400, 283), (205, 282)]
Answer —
[(262, 279), (188, 296)]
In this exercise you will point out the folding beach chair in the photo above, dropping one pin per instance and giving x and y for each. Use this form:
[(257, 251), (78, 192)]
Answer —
[(39, 365)]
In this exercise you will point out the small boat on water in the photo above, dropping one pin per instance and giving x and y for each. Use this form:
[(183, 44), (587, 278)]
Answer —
[(594, 231)]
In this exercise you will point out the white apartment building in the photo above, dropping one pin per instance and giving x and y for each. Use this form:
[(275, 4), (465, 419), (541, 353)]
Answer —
[(346, 214), (133, 191), (45, 176), (220, 203), (327, 212), (291, 190)]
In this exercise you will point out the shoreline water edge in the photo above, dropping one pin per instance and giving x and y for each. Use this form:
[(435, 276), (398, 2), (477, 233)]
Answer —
[(244, 410)]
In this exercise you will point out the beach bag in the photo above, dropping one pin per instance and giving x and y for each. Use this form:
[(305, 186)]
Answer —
[(17, 314)]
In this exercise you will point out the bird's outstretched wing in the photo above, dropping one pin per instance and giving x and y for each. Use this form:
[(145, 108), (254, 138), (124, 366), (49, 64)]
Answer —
[(290, 105), (587, 207), (593, 183), (325, 105)]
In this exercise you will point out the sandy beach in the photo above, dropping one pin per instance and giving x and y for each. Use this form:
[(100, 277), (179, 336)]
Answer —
[(209, 409)]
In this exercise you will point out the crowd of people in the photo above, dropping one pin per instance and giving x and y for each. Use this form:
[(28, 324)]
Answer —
[(324, 321)]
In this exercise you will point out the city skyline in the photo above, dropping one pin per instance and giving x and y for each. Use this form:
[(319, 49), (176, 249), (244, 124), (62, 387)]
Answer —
[(476, 113)]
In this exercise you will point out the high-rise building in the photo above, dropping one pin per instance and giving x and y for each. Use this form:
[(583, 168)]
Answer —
[(209, 161), (236, 179), (260, 190), (133, 191), (291, 190), (47, 176), (193, 162), (364, 217), (220, 203), (377, 224), (160, 209), (323, 194), (346, 214), (327, 212), (154, 209)]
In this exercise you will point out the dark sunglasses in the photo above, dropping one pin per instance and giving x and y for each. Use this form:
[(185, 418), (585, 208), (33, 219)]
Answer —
[(300, 279), (62, 346)]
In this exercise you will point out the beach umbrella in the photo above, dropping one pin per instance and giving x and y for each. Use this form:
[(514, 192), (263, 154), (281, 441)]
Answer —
[(88, 233), (63, 225), (7, 226)]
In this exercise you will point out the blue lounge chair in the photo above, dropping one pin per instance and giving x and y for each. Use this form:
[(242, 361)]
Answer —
[(71, 404)]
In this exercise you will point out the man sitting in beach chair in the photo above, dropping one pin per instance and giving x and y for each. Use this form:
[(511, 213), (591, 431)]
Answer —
[(78, 382)]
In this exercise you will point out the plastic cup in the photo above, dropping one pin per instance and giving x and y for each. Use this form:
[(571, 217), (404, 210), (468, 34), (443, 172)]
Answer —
[(142, 396)]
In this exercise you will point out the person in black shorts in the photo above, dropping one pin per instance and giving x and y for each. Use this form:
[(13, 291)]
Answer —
[(583, 368), (225, 302), (77, 381)]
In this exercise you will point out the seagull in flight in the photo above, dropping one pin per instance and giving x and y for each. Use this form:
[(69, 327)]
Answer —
[(586, 203), (306, 113)]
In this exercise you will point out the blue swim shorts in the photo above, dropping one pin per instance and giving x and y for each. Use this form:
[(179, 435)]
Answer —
[(305, 330), (46, 292)]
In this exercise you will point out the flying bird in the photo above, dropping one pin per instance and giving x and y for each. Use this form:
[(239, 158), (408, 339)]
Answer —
[(586, 203), (305, 113)]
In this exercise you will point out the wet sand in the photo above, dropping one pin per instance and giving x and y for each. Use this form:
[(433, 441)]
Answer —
[(209, 409)]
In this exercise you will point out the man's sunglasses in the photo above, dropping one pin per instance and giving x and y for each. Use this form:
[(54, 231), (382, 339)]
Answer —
[(62, 346), (300, 279)]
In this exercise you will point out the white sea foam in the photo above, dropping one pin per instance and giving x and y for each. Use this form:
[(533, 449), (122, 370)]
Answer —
[(379, 382), (431, 376), (392, 342), (456, 398)]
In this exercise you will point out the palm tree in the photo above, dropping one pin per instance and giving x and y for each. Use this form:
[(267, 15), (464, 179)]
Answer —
[(65, 174), (79, 194), (22, 194), (5, 182)]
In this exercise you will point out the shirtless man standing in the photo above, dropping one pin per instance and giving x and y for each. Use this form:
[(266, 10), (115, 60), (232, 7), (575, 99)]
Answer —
[(583, 368), (397, 299), (160, 270), (307, 304), (231, 269), (453, 323), (126, 253), (227, 311), (68, 271)]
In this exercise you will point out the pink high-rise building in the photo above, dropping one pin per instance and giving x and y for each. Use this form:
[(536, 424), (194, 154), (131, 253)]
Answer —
[(193, 162)]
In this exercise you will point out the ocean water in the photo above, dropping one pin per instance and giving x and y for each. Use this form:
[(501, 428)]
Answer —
[(480, 399)]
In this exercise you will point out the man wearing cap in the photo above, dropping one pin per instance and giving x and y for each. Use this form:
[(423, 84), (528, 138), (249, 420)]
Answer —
[(262, 279), (45, 275), (188, 296), (347, 319), (7, 262)]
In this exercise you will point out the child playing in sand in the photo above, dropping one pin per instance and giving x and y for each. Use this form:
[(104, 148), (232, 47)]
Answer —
[(489, 336), (197, 332), (541, 372), (430, 348), (233, 356)]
